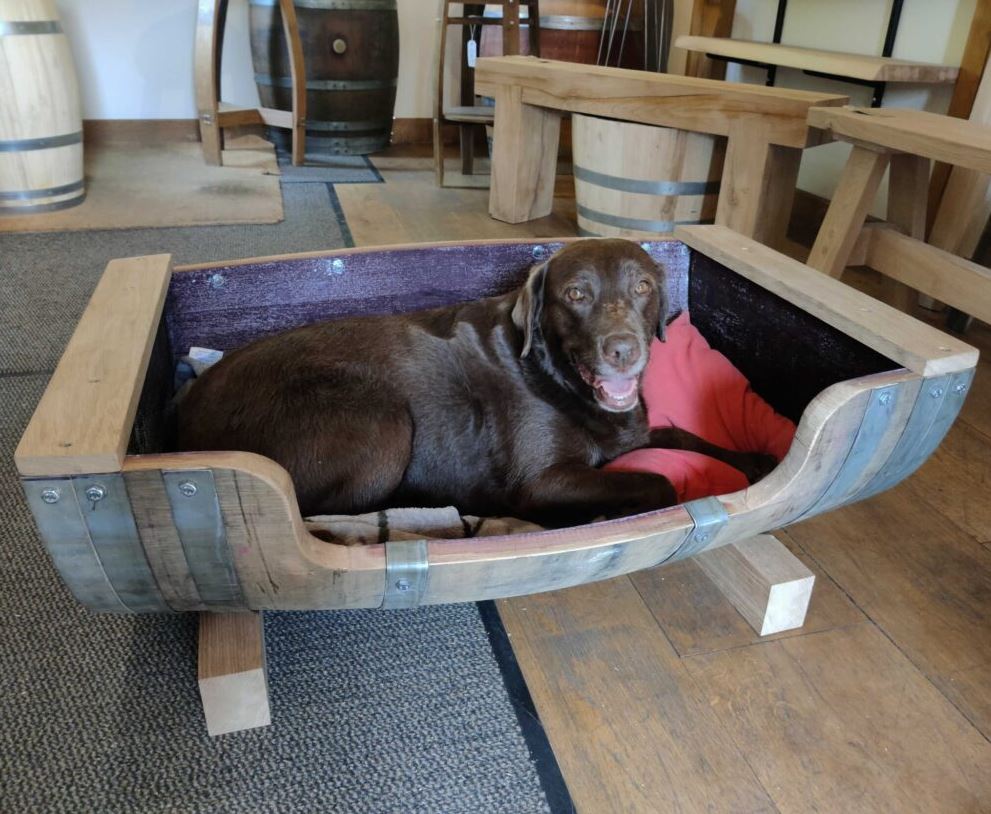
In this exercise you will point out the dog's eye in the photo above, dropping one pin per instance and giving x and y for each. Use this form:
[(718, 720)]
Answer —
[(575, 294), (641, 288)]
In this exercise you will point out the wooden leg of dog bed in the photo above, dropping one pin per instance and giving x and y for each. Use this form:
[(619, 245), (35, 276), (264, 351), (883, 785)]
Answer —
[(766, 583), (232, 675)]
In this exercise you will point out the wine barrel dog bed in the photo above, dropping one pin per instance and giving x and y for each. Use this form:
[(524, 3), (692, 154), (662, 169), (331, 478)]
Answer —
[(134, 527)]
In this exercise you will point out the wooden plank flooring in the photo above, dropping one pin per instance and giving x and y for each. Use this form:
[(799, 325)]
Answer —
[(656, 695)]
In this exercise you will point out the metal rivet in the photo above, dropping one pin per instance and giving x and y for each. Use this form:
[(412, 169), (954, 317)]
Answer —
[(187, 488), (703, 537), (339, 46), (402, 585), (884, 399), (960, 388), (936, 392), (96, 492), (539, 252), (337, 266), (217, 281), (50, 495)]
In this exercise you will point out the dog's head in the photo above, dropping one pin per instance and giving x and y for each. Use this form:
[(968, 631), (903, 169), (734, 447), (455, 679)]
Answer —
[(593, 308)]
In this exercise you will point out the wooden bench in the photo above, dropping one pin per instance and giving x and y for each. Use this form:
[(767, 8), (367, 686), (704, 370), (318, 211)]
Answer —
[(906, 141), (766, 130)]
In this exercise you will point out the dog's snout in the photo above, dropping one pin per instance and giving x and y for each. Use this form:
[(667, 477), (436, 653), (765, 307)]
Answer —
[(621, 350)]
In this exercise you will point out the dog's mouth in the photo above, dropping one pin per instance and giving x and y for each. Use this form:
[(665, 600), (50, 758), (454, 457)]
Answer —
[(615, 392)]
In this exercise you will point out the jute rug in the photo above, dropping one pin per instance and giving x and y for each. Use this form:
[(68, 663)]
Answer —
[(133, 185)]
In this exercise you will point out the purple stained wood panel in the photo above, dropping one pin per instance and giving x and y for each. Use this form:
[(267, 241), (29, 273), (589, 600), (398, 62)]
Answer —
[(227, 306)]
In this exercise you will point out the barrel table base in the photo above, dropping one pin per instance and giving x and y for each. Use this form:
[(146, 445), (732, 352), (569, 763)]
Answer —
[(640, 181)]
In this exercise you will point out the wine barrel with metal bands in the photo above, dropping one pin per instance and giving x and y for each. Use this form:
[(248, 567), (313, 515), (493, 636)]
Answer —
[(41, 138), (639, 181), (351, 52), (575, 31)]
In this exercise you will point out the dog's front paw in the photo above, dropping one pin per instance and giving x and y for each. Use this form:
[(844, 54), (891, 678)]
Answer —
[(756, 465)]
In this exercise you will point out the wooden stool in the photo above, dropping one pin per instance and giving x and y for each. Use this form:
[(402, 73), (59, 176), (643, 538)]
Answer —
[(906, 140), (469, 116), (214, 114)]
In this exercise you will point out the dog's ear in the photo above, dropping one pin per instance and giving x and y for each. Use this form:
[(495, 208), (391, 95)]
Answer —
[(529, 303), (662, 316)]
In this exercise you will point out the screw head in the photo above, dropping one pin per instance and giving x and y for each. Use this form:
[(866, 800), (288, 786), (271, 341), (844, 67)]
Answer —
[(402, 585), (217, 281), (936, 392), (959, 388), (50, 496), (884, 399), (96, 492), (337, 266), (187, 488), (539, 252), (703, 537)]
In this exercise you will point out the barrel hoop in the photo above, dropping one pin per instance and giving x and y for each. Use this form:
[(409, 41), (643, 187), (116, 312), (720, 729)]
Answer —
[(23, 145), (709, 516), (64, 534), (563, 22), (406, 573), (335, 5), (36, 209), (327, 84), (349, 146), (338, 127), (27, 27), (200, 526), (115, 537), (646, 187), (31, 194), (875, 421), (937, 406), (635, 223)]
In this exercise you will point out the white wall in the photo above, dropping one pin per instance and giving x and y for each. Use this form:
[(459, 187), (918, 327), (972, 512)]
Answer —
[(929, 31), (135, 57)]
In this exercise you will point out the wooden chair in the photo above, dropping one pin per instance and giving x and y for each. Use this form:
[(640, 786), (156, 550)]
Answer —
[(214, 114), (468, 116), (907, 140)]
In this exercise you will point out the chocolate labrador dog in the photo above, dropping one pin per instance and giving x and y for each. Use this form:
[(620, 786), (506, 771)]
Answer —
[(504, 406)]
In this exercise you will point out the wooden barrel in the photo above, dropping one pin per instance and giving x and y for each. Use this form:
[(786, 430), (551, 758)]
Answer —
[(351, 51), (41, 133), (571, 31), (637, 180)]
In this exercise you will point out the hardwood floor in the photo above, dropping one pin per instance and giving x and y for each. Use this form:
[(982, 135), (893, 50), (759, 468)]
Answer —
[(658, 697)]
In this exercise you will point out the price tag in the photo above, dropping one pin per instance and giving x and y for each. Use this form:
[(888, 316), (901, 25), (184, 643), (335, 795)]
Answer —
[(472, 53)]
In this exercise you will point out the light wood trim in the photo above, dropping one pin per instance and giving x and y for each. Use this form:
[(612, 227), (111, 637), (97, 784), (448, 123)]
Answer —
[(231, 672), (689, 103), (297, 71), (964, 102), (229, 115), (903, 339), (847, 212), (944, 276), (764, 581), (710, 18), (83, 422), (207, 46), (942, 138), (855, 66)]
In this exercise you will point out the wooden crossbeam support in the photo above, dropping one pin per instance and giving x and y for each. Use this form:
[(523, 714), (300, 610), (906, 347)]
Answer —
[(232, 674), (765, 582)]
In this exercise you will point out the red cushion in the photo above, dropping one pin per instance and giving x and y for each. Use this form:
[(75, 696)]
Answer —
[(689, 385)]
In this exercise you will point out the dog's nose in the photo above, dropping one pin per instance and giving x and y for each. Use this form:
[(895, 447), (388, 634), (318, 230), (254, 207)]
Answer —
[(621, 350)]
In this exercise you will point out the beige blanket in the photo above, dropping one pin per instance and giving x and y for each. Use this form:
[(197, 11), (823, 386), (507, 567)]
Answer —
[(411, 524)]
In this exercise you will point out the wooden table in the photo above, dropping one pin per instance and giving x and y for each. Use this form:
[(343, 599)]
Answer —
[(766, 129)]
